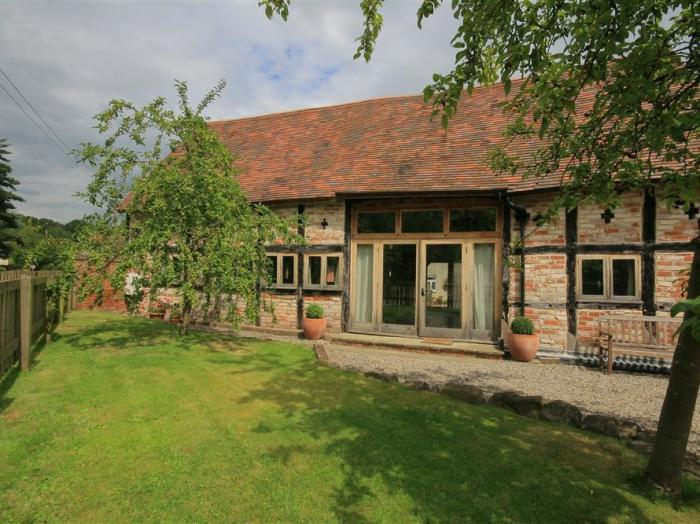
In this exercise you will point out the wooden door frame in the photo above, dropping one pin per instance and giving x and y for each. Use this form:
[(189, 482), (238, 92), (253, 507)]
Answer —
[(466, 332), (423, 329)]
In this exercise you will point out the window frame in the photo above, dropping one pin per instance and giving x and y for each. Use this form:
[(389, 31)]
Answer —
[(338, 286), (608, 287), (280, 269), (446, 205)]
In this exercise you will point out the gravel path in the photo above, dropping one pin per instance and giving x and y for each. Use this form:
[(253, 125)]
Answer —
[(636, 396)]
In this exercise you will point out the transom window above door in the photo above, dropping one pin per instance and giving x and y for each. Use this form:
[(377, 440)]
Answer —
[(455, 218)]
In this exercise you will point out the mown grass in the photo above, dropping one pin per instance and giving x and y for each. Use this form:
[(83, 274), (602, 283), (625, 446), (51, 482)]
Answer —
[(122, 420)]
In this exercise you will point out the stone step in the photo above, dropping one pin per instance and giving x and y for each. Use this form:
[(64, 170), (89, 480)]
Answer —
[(416, 345)]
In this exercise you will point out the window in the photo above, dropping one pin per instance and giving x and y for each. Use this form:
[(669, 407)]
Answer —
[(282, 270), (472, 220), (376, 222), (323, 271), (608, 277), (429, 221)]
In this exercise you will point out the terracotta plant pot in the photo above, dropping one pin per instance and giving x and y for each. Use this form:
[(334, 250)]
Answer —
[(523, 348), (314, 328)]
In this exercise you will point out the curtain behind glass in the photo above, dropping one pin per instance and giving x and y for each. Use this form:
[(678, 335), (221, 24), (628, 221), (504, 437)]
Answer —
[(484, 282), (363, 283)]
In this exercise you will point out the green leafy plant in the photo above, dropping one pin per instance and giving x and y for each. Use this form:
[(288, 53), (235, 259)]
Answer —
[(190, 226), (314, 311), (522, 326)]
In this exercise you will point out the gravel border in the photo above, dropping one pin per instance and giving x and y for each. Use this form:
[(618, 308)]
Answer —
[(629, 395)]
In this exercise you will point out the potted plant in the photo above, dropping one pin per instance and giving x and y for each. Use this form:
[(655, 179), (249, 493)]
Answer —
[(176, 314), (314, 323), (156, 311), (523, 342)]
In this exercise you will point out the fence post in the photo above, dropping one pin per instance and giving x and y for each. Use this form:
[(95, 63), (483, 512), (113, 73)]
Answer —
[(25, 320)]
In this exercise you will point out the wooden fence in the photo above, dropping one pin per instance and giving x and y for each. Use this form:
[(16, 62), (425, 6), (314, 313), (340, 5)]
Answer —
[(26, 314)]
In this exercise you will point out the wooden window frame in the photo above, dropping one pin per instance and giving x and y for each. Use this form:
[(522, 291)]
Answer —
[(445, 205), (338, 286), (448, 213), (607, 295), (279, 284)]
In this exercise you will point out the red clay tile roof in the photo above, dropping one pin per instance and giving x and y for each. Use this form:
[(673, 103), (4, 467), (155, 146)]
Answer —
[(381, 145)]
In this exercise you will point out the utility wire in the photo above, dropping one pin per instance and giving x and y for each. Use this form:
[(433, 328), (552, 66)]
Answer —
[(51, 140), (33, 121), (29, 142), (34, 109)]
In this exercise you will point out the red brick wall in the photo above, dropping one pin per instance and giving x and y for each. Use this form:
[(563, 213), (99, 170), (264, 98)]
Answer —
[(279, 310), (625, 227), (112, 300)]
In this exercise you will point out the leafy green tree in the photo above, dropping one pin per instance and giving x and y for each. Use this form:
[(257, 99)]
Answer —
[(611, 89), (36, 243), (8, 195), (191, 227)]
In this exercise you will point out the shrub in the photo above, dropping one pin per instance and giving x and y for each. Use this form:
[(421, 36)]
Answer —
[(522, 326), (314, 311)]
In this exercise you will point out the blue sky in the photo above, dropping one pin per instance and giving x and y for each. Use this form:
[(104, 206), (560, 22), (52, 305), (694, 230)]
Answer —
[(69, 58)]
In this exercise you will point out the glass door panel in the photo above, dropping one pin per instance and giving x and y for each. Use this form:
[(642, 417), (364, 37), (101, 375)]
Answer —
[(364, 284), (399, 288), (442, 290), (483, 286)]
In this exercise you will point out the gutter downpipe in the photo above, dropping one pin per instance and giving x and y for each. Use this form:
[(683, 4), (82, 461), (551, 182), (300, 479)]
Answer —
[(522, 216)]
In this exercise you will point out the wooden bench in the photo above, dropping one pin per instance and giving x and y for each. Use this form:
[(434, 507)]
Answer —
[(638, 336)]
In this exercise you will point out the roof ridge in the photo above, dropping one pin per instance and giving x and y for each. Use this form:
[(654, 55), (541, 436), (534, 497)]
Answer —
[(342, 104), (315, 108)]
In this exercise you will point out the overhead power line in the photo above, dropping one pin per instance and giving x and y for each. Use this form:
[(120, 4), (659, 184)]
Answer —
[(28, 142), (51, 140), (64, 152), (34, 109)]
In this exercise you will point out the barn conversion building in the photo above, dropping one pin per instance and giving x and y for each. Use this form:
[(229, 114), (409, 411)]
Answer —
[(409, 233)]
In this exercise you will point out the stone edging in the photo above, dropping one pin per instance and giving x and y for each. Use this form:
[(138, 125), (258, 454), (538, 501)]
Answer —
[(532, 406)]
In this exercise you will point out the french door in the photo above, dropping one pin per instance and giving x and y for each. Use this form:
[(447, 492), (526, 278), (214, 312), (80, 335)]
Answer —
[(442, 290), (431, 288)]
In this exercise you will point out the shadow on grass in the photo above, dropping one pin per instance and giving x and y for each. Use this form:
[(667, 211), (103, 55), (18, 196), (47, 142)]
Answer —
[(121, 332), (11, 376), (454, 462)]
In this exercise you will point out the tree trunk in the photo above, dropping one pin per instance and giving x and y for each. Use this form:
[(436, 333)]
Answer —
[(666, 463), (186, 316)]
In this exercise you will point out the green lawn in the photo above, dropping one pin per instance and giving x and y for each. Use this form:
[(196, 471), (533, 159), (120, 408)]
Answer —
[(121, 420)]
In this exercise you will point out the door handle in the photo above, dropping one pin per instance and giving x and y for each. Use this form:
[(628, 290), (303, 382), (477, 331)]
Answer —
[(422, 292)]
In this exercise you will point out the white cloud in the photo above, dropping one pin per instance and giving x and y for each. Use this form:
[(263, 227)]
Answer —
[(70, 59)]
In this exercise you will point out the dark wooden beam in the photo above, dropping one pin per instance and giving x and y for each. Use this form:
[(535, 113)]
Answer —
[(316, 248), (571, 240), (345, 301), (505, 266), (635, 248), (540, 305), (609, 305), (648, 261), (301, 230)]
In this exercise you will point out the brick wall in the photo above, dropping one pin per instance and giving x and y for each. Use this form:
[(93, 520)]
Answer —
[(551, 324), (280, 310), (332, 308), (334, 213), (545, 278), (672, 225), (587, 327), (671, 276), (289, 212), (552, 233), (626, 226)]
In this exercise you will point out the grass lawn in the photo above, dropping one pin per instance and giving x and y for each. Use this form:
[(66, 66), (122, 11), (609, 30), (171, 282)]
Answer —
[(122, 420)]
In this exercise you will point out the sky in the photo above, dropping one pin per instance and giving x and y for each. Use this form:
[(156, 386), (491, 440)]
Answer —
[(69, 58)]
